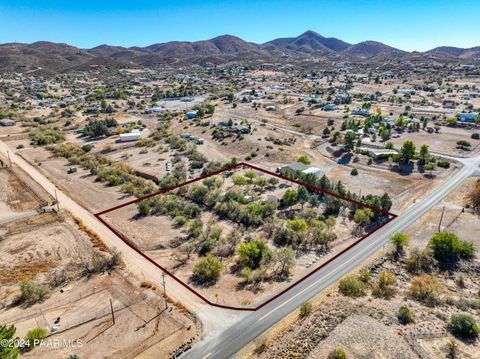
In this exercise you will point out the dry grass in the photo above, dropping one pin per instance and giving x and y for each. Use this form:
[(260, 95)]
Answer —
[(148, 285), (94, 237), (24, 270)]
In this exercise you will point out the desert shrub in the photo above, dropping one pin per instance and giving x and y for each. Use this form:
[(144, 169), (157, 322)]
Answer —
[(426, 289), (351, 286), (354, 172), (452, 347), (384, 286), (207, 269), (447, 249), (180, 221), (475, 136), (338, 354), (305, 309), (101, 262), (34, 336), (463, 325), (404, 315), (420, 261), (260, 344), (304, 159), (31, 292), (365, 276), (443, 164)]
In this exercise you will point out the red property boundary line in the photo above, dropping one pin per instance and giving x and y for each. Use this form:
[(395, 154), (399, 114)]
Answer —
[(242, 164)]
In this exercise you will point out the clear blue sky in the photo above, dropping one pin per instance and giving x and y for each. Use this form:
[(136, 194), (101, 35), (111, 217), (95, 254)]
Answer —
[(408, 25)]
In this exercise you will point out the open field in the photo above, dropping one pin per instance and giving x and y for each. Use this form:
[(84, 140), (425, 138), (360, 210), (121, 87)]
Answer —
[(206, 223), (55, 250)]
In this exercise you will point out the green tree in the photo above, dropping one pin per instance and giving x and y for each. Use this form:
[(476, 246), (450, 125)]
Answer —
[(302, 195), (289, 198), (7, 332), (285, 257), (399, 241), (362, 217), (254, 253), (463, 325), (423, 154), (407, 151), (207, 269), (349, 141), (447, 249)]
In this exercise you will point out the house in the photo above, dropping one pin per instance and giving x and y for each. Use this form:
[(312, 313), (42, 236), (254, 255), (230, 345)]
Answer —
[(330, 107), (224, 123), (468, 117), (378, 152), (449, 104), (313, 170), (128, 137), (241, 129), (361, 112), (155, 110), (191, 115), (407, 91), (291, 168), (7, 122)]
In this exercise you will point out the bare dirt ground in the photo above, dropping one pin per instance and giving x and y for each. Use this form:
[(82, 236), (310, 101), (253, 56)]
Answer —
[(158, 237), (81, 185), (368, 327), (443, 142), (465, 224), (40, 246)]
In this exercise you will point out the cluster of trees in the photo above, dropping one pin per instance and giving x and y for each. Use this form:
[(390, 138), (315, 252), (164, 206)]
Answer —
[(169, 204), (334, 204), (306, 230), (96, 128), (46, 135), (204, 109), (105, 169)]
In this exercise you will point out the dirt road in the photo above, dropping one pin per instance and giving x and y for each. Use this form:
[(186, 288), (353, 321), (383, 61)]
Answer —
[(213, 319)]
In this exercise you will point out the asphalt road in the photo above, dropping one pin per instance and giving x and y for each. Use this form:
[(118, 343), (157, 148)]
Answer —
[(234, 338)]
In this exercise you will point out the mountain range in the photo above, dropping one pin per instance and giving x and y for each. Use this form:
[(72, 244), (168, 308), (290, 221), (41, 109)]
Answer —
[(55, 57)]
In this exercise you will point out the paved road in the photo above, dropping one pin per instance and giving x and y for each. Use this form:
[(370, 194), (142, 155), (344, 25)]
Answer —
[(254, 324)]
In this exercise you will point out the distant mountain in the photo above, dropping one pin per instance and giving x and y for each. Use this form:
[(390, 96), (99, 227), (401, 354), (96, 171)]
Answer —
[(370, 49), (225, 44), (53, 57), (455, 52), (310, 42), (41, 55)]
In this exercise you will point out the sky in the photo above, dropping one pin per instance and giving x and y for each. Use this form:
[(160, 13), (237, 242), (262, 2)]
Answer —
[(409, 25)]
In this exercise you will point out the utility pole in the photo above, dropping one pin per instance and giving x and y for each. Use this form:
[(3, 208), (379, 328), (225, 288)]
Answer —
[(164, 291), (441, 218), (111, 310), (56, 199)]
